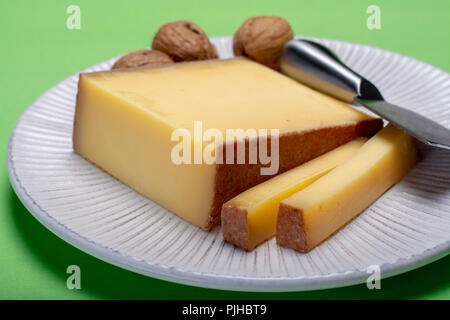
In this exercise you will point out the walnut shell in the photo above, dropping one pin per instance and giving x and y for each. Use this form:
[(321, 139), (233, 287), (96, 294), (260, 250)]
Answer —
[(184, 41), (262, 39), (141, 58)]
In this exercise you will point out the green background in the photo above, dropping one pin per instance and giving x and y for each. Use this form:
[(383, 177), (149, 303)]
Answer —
[(37, 51)]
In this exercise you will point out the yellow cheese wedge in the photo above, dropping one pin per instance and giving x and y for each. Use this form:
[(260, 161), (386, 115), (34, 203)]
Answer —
[(250, 218), (313, 214), (125, 119)]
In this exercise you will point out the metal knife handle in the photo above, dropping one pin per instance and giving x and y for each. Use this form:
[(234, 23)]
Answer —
[(320, 68)]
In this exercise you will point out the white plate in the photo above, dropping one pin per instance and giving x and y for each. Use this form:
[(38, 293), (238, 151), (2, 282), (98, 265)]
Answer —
[(406, 228)]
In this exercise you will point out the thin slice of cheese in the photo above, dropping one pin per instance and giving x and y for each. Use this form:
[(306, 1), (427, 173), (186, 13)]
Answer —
[(250, 218), (125, 119), (312, 215)]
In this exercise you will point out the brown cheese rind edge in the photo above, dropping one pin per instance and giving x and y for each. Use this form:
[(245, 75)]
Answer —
[(290, 231), (234, 226), (294, 150)]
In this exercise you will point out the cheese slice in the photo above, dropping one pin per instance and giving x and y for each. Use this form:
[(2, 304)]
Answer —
[(124, 122), (313, 214), (250, 218)]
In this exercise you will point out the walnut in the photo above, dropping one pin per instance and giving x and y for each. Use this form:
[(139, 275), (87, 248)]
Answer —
[(262, 39), (141, 58), (184, 41)]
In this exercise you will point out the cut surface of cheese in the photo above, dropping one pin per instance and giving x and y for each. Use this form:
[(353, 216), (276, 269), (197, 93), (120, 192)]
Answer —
[(313, 214), (124, 122), (250, 218)]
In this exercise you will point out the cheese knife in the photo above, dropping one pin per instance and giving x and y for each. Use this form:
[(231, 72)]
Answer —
[(318, 67)]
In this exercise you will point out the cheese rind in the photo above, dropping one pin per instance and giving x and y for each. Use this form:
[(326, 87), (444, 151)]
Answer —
[(250, 218), (124, 120), (310, 216)]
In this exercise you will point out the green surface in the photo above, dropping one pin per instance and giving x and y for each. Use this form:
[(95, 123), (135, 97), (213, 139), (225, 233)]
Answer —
[(37, 51)]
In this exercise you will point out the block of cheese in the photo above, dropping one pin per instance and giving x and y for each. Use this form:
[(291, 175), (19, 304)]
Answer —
[(313, 214), (250, 218), (124, 121)]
